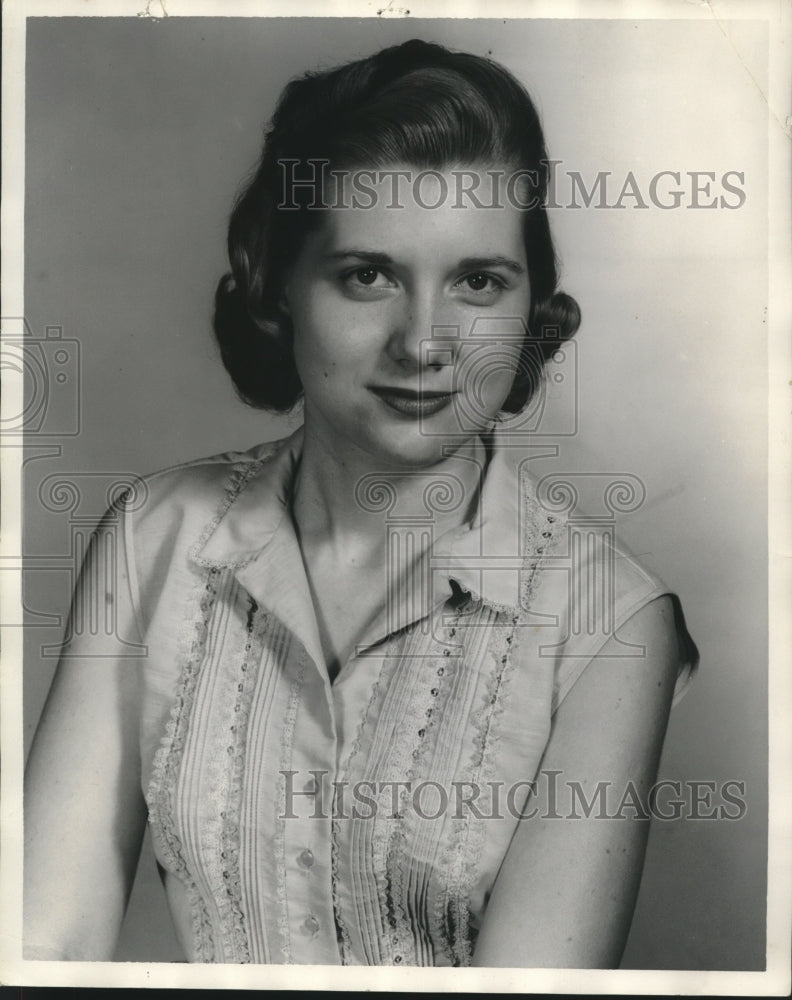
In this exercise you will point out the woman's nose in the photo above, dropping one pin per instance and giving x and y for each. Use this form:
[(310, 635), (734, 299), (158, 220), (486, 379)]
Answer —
[(421, 334)]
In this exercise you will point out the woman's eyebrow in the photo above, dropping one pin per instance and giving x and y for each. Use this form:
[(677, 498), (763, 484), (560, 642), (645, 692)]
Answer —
[(370, 256), (476, 263), (466, 264)]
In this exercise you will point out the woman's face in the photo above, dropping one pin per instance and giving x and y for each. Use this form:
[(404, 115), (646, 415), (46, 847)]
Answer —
[(408, 320)]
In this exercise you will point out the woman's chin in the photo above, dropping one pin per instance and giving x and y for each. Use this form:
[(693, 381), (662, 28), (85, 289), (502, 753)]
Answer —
[(391, 439), (416, 447)]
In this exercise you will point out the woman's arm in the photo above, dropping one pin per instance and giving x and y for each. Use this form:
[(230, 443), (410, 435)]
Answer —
[(84, 811), (565, 894)]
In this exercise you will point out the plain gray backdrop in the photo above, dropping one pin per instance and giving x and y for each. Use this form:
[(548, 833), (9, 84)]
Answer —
[(139, 133)]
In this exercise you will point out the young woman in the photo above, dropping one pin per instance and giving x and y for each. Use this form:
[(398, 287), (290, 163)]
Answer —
[(375, 708)]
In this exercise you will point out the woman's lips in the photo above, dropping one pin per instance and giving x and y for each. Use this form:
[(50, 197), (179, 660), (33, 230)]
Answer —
[(409, 403)]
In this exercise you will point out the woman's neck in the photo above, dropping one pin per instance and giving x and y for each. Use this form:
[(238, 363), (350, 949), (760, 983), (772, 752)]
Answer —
[(344, 497)]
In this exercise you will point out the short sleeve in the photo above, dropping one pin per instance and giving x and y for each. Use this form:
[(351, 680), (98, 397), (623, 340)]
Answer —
[(605, 587), (103, 620)]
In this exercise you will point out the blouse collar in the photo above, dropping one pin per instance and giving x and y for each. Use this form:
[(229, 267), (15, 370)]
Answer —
[(485, 557)]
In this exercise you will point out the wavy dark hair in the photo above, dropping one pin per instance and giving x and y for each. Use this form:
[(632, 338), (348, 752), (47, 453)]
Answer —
[(416, 103)]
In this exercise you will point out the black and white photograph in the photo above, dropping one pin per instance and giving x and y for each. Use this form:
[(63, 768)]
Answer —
[(395, 464)]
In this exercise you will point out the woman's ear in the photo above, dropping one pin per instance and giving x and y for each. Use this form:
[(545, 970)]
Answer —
[(283, 303)]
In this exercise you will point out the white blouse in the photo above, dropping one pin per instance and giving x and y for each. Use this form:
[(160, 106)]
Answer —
[(361, 821)]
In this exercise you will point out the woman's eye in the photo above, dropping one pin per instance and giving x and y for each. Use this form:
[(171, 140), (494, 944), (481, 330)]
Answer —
[(367, 277), (480, 283)]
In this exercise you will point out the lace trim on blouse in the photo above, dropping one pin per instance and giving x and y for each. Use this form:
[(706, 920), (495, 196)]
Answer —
[(233, 918), (344, 942), (167, 763), (403, 938), (280, 841)]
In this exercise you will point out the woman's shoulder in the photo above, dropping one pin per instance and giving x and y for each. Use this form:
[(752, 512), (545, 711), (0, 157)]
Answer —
[(163, 520), (206, 472), (166, 516), (189, 490), (586, 580)]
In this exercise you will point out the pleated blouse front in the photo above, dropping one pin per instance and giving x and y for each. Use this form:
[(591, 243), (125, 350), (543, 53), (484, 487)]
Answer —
[(363, 821)]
